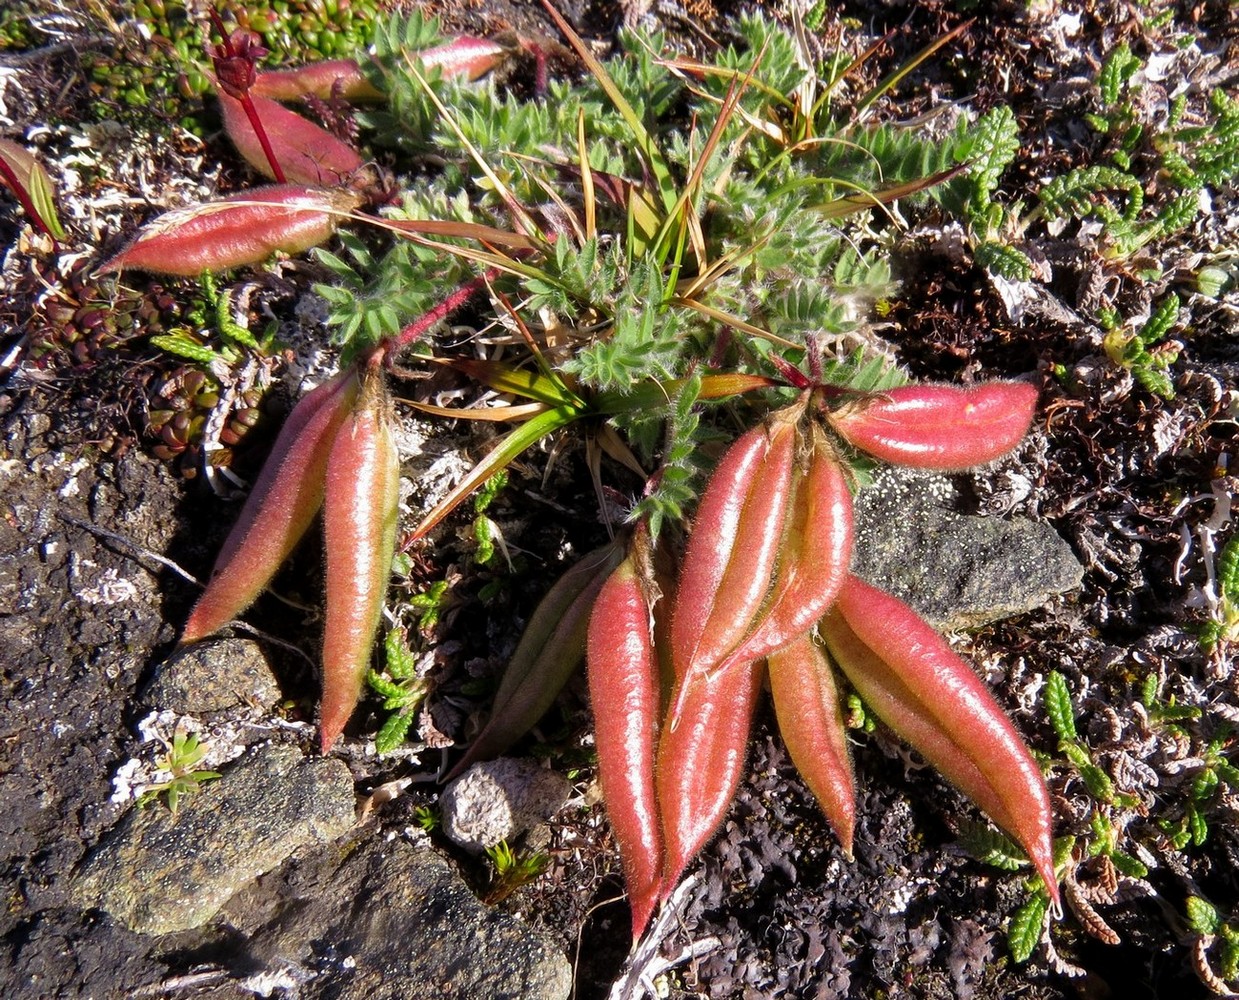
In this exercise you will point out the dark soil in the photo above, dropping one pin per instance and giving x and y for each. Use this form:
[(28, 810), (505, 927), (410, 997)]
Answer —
[(1128, 478)]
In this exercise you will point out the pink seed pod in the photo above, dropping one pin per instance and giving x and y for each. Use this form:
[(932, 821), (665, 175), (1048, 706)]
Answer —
[(814, 555), (908, 674), (701, 755), (280, 507), (806, 703), (939, 426), (243, 229), (730, 561), (360, 514), (465, 56), (307, 153), (325, 80), (624, 690)]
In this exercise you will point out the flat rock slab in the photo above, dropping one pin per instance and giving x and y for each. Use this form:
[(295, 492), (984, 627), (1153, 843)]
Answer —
[(956, 570), (388, 920), (157, 873)]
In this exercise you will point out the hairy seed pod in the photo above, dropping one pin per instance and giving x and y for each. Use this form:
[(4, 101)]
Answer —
[(732, 553), (701, 754), (360, 513), (552, 646), (325, 80), (465, 56), (243, 229), (814, 555), (806, 703), (908, 674), (280, 507), (624, 691), (307, 153), (939, 426)]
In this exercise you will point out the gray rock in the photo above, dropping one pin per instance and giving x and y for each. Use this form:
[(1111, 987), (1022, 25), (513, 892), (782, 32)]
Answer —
[(499, 799), (389, 920), (214, 676), (157, 873), (957, 570)]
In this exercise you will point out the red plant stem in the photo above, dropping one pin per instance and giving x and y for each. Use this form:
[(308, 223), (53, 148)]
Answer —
[(23, 197), (246, 102), (418, 328), (252, 112)]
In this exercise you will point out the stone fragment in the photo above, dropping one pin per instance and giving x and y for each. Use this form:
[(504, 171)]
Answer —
[(213, 676), (500, 799), (157, 872), (957, 570), (383, 919)]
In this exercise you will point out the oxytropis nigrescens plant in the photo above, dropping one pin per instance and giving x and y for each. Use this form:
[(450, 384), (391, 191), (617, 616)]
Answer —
[(652, 264)]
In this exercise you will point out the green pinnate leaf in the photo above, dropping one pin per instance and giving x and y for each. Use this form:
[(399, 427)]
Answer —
[(1202, 916), (1058, 706), (1128, 865), (994, 146), (1003, 260), (1228, 571), (1161, 321), (393, 731), (991, 847), (398, 657), (1024, 931), (1118, 69)]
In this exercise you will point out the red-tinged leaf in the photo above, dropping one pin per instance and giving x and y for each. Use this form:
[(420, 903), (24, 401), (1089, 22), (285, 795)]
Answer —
[(701, 754), (814, 555), (23, 174), (465, 56), (731, 556), (624, 690), (806, 703), (907, 673), (280, 507), (551, 648), (240, 230), (939, 426), (307, 153), (330, 78), (360, 513)]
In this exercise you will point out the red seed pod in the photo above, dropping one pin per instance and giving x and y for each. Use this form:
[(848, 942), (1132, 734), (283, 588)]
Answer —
[(465, 56), (325, 80), (360, 514), (910, 677), (307, 153), (243, 229), (551, 648), (939, 426), (806, 703), (280, 507), (701, 755), (814, 555), (624, 691), (729, 564)]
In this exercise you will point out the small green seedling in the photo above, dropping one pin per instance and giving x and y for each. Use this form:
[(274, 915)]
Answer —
[(511, 870), (183, 756)]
